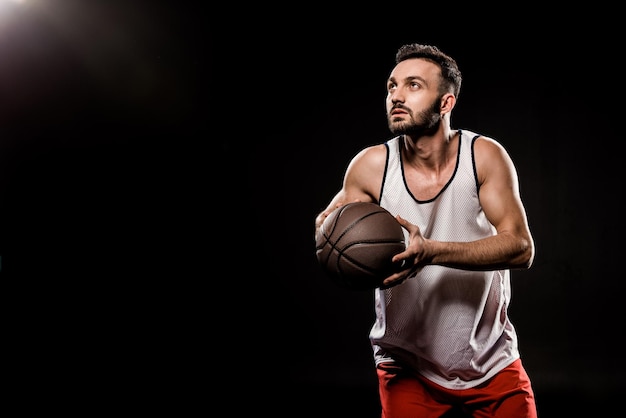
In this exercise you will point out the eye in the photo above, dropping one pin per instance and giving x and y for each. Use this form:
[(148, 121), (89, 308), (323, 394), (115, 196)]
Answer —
[(391, 87)]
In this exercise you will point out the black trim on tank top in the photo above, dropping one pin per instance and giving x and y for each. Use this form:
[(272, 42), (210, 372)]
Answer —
[(382, 182), (474, 164)]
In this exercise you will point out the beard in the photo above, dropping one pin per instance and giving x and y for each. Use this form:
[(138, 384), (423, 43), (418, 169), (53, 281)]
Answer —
[(423, 122)]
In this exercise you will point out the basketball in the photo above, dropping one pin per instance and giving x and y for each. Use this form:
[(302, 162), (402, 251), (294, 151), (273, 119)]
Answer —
[(355, 244)]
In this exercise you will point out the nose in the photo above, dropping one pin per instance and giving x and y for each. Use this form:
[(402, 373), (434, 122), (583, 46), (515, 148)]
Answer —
[(394, 96)]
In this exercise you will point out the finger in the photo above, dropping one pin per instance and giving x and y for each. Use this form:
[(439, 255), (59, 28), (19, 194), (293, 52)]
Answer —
[(394, 279), (404, 223)]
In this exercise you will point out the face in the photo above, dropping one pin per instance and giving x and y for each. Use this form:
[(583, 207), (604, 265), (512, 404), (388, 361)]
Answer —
[(413, 99)]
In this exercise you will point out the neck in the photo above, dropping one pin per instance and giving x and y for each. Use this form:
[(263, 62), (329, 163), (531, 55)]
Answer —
[(430, 150)]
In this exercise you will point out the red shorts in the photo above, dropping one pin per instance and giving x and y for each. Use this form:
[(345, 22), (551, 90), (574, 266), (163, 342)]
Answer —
[(404, 395)]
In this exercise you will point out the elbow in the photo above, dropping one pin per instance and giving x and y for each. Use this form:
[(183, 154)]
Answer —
[(526, 255)]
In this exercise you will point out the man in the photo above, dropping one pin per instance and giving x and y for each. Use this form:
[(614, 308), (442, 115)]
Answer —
[(442, 339)]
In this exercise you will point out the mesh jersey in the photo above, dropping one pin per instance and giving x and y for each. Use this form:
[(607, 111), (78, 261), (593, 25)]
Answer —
[(449, 325)]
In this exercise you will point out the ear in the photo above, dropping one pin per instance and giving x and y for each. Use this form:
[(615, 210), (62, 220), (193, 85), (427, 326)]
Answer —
[(448, 101)]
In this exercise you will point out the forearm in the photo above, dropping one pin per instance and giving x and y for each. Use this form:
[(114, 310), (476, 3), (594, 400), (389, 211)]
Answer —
[(491, 253)]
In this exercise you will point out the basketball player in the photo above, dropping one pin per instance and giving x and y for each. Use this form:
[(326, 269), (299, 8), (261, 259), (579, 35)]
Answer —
[(442, 339)]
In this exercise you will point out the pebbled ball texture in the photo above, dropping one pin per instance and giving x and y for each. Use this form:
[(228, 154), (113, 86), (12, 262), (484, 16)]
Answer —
[(355, 244)]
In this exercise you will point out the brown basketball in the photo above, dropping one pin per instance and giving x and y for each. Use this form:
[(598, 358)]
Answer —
[(355, 244)]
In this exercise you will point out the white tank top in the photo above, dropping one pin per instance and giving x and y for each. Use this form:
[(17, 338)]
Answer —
[(449, 325)]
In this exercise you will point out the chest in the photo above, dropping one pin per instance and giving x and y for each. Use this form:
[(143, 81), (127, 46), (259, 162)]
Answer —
[(427, 184)]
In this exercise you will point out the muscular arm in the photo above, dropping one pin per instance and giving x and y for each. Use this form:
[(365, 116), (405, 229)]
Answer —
[(361, 182), (512, 246)]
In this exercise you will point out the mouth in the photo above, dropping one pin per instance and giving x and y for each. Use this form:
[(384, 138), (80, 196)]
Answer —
[(397, 115)]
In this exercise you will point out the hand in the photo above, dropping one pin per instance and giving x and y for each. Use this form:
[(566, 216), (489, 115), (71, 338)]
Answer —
[(319, 220), (412, 259)]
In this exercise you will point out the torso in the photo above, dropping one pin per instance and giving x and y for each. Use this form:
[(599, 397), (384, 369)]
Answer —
[(449, 325)]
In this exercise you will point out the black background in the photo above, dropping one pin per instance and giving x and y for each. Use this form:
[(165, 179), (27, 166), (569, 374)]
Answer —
[(161, 168)]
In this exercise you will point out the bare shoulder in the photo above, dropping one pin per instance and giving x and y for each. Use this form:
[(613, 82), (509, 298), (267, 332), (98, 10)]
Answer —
[(486, 144), (487, 149), (492, 158), (377, 151), (366, 170), (371, 156)]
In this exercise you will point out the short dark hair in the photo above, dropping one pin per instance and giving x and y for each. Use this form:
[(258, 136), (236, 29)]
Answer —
[(450, 72)]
